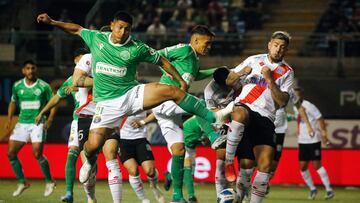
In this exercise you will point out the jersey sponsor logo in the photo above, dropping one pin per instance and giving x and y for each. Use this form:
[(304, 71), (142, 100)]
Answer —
[(108, 69), (30, 105), (125, 55)]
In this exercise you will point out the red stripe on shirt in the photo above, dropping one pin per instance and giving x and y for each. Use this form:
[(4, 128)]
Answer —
[(253, 94), (123, 122), (88, 100)]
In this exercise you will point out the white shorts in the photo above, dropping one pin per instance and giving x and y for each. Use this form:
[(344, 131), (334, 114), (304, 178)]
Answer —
[(26, 132), (109, 113), (74, 136), (169, 117)]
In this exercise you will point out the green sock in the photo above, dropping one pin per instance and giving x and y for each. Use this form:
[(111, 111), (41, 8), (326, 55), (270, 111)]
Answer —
[(70, 169), (189, 181), (16, 166), (177, 172), (208, 129), (44, 164), (193, 105)]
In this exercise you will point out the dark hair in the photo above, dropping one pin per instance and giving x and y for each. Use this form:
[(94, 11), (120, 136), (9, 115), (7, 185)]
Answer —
[(80, 51), (123, 16), (29, 61), (105, 28), (281, 35), (202, 30), (220, 75)]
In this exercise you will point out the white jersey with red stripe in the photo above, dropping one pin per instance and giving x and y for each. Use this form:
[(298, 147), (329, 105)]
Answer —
[(129, 133), (313, 115), (217, 97), (87, 106), (255, 93)]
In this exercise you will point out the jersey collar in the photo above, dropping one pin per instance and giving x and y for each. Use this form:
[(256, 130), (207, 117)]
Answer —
[(118, 45), (194, 50), (30, 86)]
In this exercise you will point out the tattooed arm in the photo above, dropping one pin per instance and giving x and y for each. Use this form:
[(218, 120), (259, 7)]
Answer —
[(81, 79)]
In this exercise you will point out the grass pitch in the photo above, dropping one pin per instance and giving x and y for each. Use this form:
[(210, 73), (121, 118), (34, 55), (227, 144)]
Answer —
[(204, 192)]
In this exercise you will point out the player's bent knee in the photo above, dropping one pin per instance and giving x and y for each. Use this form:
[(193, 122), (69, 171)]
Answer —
[(133, 171), (150, 172), (178, 149)]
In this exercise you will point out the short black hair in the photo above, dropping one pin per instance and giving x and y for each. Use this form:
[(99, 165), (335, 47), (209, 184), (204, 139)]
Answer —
[(281, 35), (105, 28), (80, 51), (220, 75), (202, 30), (123, 16), (29, 61)]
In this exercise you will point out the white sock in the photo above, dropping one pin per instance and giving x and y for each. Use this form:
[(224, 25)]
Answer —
[(259, 187), (220, 181), (137, 186), (324, 178), (89, 187), (235, 134), (243, 181), (154, 187), (114, 180), (308, 180)]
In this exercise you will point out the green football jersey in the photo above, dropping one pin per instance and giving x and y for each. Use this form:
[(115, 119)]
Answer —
[(184, 58), (114, 65), (31, 99), (62, 94), (192, 132)]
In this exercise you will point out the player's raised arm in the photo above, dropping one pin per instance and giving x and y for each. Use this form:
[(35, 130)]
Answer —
[(81, 79), (166, 65), (71, 28), (281, 98), (52, 103)]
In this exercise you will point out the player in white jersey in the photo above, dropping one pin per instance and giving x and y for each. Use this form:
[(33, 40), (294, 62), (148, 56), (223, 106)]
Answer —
[(266, 89), (310, 146), (135, 150), (218, 96), (31, 95)]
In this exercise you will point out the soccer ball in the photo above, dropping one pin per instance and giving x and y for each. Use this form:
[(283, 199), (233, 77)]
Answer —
[(228, 195)]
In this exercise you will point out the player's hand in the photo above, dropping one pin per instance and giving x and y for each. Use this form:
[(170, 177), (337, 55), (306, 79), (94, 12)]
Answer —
[(38, 119), (183, 85), (137, 124), (311, 131), (266, 72), (47, 124), (247, 70), (325, 141), (44, 18), (70, 89)]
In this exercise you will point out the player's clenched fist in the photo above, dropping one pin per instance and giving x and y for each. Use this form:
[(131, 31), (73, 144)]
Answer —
[(44, 18)]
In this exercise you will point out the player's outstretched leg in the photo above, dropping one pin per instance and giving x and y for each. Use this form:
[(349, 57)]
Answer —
[(89, 186), (153, 181)]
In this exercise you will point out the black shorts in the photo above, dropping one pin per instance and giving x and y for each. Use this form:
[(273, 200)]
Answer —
[(260, 129), (309, 152), (84, 129), (138, 149), (245, 149), (279, 141)]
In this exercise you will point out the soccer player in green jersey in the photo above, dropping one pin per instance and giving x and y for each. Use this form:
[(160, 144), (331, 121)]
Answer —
[(115, 56), (184, 57), (31, 94)]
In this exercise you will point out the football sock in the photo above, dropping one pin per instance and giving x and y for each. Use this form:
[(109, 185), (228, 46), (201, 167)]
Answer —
[(193, 105), (137, 186), (189, 181), (16, 166), (44, 164), (234, 137), (259, 187), (177, 172), (220, 181), (243, 181), (114, 180), (324, 178), (70, 169), (308, 180)]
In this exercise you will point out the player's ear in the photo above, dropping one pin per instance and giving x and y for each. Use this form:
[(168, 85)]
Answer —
[(269, 45)]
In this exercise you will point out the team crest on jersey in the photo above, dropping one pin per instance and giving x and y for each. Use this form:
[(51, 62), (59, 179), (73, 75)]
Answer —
[(96, 119), (37, 92), (21, 91), (125, 55), (101, 46), (280, 70)]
